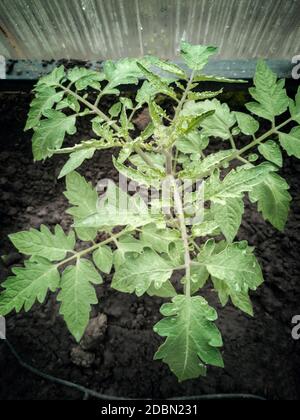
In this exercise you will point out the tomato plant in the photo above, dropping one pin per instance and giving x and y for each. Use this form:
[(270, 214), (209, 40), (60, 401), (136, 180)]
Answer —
[(146, 244)]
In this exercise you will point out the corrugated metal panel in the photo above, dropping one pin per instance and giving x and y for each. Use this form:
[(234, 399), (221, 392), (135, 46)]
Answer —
[(101, 29)]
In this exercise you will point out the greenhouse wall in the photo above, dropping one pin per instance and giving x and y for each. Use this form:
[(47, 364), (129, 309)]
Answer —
[(101, 29)]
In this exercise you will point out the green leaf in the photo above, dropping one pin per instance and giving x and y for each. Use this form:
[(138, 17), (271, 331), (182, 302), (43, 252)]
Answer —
[(201, 96), (76, 159), (146, 93), (197, 56), (123, 72), (295, 107), (192, 337), (229, 216), (44, 100), (241, 300), (84, 78), (84, 198), (192, 143), (52, 79), (291, 142), (103, 259), (152, 178), (189, 123), (157, 82), (159, 239), (69, 102), (165, 291), (218, 124), (270, 94), (218, 79), (247, 124), (118, 209), (43, 243), (203, 168), (273, 199), (77, 295), (166, 66), (50, 134), (237, 182), (237, 266), (206, 228), (28, 284), (138, 273), (270, 150), (129, 244), (115, 110)]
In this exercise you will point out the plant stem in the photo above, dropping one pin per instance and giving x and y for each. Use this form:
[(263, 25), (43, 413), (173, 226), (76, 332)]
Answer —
[(184, 96), (80, 254), (184, 235)]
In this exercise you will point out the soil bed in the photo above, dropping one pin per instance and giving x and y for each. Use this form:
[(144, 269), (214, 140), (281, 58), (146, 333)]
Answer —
[(260, 355)]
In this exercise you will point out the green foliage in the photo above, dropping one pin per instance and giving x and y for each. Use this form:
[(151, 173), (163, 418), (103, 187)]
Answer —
[(153, 247), (192, 338)]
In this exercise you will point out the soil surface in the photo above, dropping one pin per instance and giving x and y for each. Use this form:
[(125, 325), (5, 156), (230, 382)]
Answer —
[(260, 355)]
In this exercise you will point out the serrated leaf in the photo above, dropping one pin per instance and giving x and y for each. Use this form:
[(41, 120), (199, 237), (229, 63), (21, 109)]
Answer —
[(77, 295), (291, 142), (157, 159), (218, 124), (146, 93), (270, 150), (44, 100), (165, 291), (273, 199), (75, 160), (228, 216), (157, 82), (218, 79), (128, 244), (52, 79), (192, 143), (206, 228), (115, 110), (84, 198), (84, 78), (69, 102), (197, 56), (240, 300), (118, 209), (103, 259), (122, 72), (237, 266), (201, 169), (237, 182), (166, 66), (270, 94), (29, 283), (159, 239), (295, 107), (138, 273), (246, 123), (43, 243), (193, 340), (152, 178), (51, 132), (189, 123), (201, 96)]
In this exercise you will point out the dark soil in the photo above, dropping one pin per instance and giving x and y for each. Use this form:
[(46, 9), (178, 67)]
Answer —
[(260, 355)]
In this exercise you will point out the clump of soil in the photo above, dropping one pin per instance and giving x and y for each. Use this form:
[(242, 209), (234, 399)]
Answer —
[(260, 355)]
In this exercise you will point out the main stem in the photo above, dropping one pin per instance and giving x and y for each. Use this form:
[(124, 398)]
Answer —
[(184, 235)]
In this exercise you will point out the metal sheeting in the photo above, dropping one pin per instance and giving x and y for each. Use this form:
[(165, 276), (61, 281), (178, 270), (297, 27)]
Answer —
[(101, 29)]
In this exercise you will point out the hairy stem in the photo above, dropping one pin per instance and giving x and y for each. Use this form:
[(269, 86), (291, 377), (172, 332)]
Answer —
[(184, 235), (184, 96), (80, 254)]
